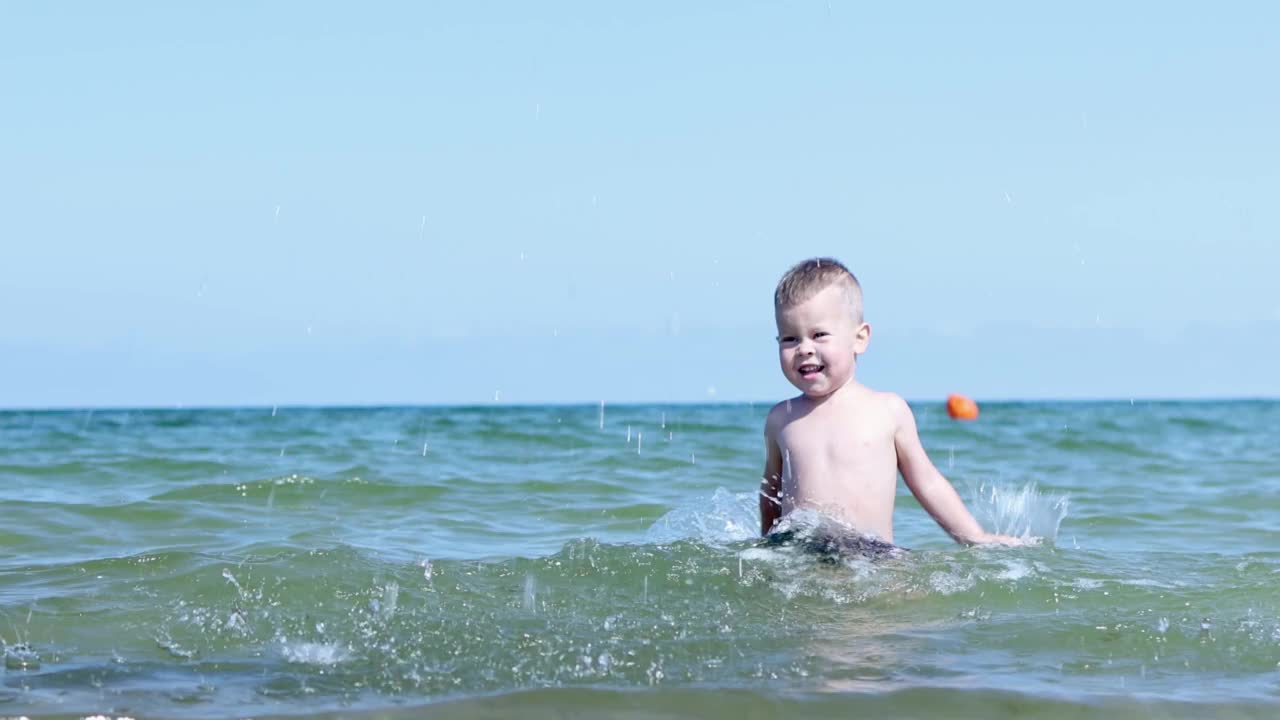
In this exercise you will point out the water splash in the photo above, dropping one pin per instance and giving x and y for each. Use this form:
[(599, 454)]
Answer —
[(21, 656), (1021, 512), (725, 517), (390, 599), (530, 599), (313, 653)]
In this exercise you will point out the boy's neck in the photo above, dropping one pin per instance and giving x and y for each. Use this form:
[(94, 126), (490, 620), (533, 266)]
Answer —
[(850, 384)]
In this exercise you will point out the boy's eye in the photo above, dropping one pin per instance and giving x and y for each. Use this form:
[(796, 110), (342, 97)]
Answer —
[(821, 333), (787, 339)]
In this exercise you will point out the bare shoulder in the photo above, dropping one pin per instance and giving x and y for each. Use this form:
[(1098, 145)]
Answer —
[(892, 410), (894, 404), (890, 405), (778, 417)]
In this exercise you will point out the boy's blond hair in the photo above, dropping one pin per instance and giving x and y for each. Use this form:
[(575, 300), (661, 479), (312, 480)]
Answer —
[(810, 277)]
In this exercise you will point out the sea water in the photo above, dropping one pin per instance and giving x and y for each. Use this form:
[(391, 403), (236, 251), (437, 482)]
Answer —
[(602, 561)]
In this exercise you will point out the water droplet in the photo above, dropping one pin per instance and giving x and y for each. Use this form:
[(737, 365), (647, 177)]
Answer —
[(21, 656), (530, 593)]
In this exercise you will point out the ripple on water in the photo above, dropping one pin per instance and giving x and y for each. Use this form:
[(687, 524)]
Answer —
[(354, 572)]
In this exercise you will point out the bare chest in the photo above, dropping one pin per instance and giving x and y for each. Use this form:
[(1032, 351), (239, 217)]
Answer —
[(839, 443), (842, 466)]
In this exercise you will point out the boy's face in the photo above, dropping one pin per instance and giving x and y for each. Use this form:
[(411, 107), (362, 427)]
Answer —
[(818, 342)]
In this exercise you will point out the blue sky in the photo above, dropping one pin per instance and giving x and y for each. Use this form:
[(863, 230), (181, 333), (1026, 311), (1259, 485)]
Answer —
[(279, 203)]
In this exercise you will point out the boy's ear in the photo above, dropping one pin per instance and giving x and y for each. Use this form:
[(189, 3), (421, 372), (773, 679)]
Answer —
[(862, 338)]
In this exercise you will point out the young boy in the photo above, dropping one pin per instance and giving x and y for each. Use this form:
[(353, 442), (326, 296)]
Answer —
[(838, 447)]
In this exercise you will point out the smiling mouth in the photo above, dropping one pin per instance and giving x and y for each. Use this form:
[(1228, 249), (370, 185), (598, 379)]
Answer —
[(809, 369)]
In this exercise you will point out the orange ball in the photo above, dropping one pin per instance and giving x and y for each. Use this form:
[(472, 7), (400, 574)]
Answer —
[(960, 407)]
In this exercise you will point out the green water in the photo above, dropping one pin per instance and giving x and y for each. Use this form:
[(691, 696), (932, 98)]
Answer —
[(596, 562)]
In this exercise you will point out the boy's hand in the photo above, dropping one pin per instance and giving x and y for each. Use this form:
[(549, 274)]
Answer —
[(1006, 540)]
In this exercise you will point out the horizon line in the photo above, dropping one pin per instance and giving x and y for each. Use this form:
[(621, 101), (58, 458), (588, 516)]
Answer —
[(1150, 399)]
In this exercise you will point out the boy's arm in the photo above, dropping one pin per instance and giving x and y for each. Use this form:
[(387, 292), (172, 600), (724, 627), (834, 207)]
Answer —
[(771, 482), (935, 494)]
